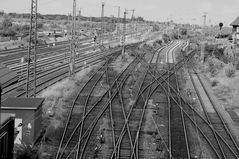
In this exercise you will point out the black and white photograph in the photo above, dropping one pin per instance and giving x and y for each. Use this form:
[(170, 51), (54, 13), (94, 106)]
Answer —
[(119, 79)]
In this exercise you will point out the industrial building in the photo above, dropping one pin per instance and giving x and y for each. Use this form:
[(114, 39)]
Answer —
[(235, 29), (28, 117), (6, 133)]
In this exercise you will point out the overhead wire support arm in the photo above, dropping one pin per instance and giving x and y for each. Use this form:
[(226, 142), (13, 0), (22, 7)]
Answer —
[(32, 51)]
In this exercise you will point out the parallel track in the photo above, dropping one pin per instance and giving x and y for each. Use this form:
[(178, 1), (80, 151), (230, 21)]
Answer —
[(219, 134)]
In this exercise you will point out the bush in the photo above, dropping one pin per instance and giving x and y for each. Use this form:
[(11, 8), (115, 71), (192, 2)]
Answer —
[(230, 71), (214, 83), (7, 32), (166, 38), (25, 152)]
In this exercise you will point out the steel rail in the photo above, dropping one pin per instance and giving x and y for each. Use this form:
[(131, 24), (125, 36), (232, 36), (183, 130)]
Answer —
[(201, 117), (181, 112), (94, 105), (219, 116), (71, 111)]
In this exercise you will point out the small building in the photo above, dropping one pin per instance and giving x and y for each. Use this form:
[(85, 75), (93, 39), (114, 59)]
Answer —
[(235, 29), (6, 136), (28, 117)]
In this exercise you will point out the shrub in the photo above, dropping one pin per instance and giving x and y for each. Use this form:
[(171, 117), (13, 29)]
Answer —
[(166, 38), (214, 83), (25, 152), (212, 69), (230, 71)]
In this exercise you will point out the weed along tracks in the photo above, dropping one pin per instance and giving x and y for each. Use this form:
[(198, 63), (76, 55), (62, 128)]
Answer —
[(133, 108)]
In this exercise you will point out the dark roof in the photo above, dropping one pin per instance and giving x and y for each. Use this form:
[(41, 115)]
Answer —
[(235, 22), (22, 103), (7, 76), (5, 117)]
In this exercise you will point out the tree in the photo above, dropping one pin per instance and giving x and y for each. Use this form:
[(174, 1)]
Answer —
[(155, 28), (7, 32), (1, 13), (6, 27), (7, 22), (184, 31), (166, 38)]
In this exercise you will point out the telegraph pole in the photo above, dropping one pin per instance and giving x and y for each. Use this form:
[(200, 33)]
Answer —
[(79, 15), (32, 51), (124, 35), (73, 41), (132, 17), (118, 24), (68, 18), (204, 19)]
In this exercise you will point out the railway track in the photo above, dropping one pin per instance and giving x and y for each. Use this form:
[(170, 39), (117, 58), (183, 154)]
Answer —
[(55, 65), (204, 128), (178, 137), (84, 137), (163, 86), (225, 144), (58, 72), (92, 115), (13, 56)]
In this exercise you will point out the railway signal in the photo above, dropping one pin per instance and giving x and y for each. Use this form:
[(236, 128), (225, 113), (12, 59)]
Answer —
[(220, 25), (32, 51)]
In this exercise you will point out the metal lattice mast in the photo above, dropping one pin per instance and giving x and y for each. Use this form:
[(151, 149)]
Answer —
[(124, 34), (102, 24), (118, 25), (32, 51), (73, 40), (204, 19)]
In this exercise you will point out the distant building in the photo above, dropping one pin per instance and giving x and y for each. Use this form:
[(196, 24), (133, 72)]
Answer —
[(235, 29)]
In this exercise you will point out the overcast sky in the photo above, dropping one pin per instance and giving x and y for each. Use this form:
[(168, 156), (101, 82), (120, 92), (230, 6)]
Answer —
[(189, 11)]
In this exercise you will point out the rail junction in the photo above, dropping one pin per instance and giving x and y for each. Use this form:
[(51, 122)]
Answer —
[(132, 110)]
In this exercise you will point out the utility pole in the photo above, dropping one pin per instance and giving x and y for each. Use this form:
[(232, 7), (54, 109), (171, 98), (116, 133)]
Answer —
[(32, 51), (102, 24), (204, 18), (68, 18), (132, 17), (118, 22), (79, 16), (73, 41), (124, 34)]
